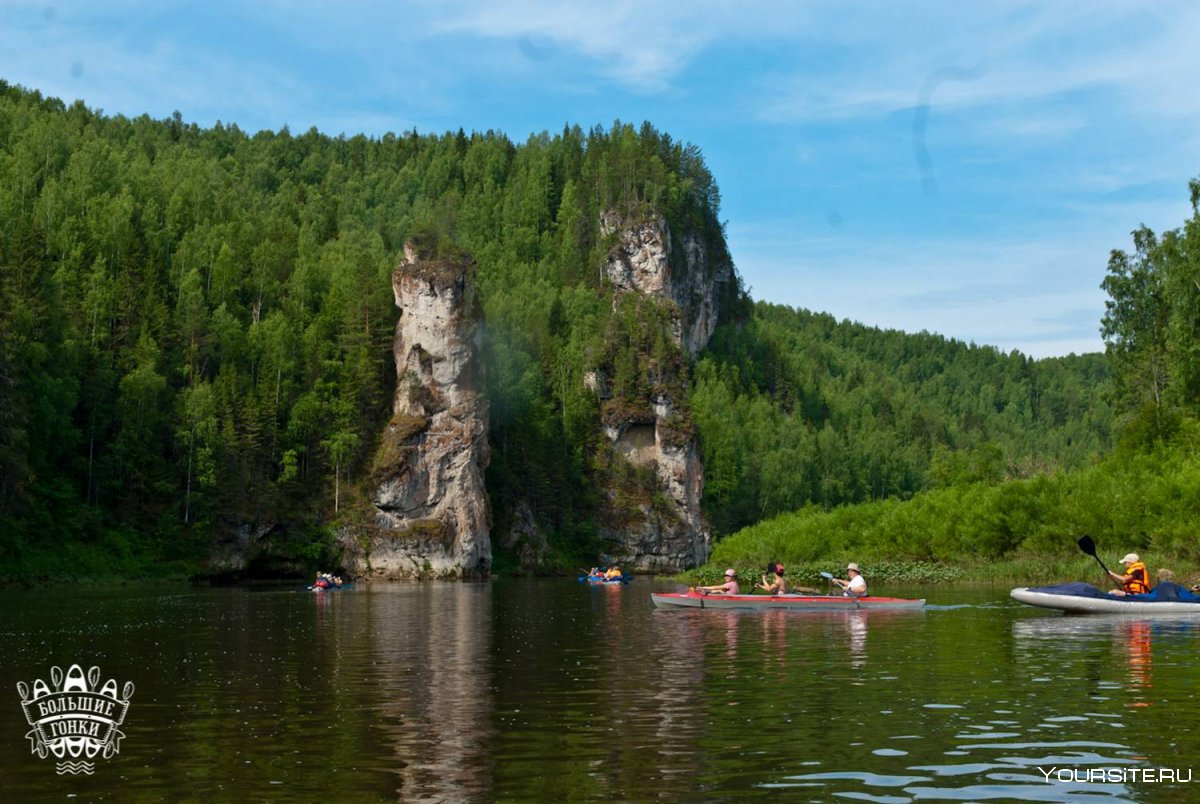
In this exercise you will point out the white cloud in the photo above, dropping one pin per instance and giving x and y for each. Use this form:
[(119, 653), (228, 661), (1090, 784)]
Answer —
[(641, 45), (979, 55)]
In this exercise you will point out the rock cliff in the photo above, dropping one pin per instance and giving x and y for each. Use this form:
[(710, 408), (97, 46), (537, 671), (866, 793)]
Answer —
[(653, 521), (431, 516), (656, 525), (647, 259)]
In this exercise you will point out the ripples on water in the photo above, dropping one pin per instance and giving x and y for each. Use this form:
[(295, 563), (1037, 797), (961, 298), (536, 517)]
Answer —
[(539, 690)]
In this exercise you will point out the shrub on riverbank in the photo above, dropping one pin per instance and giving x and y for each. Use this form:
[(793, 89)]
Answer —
[(1019, 530), (115, 555)]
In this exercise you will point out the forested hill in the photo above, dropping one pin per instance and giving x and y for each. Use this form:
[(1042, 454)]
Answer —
[(796, 408), (196, 330), (1141, 494), (196, 324)]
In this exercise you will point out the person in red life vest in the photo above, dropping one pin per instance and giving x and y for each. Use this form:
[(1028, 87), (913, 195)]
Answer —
[(1135, 581)]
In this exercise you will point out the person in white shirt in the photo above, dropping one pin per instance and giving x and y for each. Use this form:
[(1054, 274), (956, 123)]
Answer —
[(856, 586)]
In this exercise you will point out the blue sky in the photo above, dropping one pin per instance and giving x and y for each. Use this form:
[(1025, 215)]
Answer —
[(960, 168)]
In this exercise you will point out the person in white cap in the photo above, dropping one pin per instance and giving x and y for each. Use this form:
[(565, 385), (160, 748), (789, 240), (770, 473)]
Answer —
[(730, 587), (1136, 580), (856, 585)]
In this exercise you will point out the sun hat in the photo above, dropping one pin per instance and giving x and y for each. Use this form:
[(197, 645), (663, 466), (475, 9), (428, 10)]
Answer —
[(853, 566), (730, 573), (1130, 558)]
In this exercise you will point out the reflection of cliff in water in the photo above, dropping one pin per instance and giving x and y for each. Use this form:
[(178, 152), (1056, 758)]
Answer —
[(432, 643), (675, 707)]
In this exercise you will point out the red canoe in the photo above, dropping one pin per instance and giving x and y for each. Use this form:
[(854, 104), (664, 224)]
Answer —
[(695, 600)]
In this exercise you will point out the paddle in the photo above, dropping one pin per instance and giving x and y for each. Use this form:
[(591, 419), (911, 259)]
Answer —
[(1088, 546)]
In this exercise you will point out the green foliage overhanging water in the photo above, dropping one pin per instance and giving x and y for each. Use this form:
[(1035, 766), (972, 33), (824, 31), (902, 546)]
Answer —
[(1148, 501)]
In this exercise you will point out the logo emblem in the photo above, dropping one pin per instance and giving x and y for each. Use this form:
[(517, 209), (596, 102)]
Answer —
[(75, 718)]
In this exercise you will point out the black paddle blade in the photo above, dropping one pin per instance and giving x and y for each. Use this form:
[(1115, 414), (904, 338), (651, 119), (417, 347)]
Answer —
[(1088, 546)]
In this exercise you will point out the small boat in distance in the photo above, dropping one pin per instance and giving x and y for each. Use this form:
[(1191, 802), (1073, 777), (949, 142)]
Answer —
[(600, 579), (696, 600), (327, 582)]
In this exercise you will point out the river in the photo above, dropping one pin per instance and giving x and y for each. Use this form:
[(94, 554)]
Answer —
[(541, 690)]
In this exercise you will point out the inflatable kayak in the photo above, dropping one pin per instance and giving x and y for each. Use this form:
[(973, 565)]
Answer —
[(696, 600), (328, 587), (1083, 598), (597, 579)]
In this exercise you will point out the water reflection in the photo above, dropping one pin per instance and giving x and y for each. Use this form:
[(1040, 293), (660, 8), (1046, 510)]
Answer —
[(723, 629), (1123, 636), (431, 647), (1136, 634), (856, 626), (539, 690), (774, 637), (674, 703), (1100, 638)]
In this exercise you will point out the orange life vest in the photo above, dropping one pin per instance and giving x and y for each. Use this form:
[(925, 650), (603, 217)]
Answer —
[(1139, 583)]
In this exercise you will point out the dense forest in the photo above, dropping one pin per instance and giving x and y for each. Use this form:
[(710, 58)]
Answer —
[(196, 327), (1143, 493), (797, 409)]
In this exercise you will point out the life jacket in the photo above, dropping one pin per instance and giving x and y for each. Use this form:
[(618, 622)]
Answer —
[(1139, 583)]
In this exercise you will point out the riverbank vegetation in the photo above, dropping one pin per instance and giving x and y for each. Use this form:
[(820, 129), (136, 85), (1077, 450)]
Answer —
[(1143, 495), (1020, 530), (796, 409)]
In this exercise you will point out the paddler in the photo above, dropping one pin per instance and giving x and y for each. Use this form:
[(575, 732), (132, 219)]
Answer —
[(855, 585), (1136, 580), (730, 587), (774, 585)]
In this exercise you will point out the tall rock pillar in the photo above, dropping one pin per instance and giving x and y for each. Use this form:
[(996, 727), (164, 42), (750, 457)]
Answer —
[(656, 523), (431, 507)]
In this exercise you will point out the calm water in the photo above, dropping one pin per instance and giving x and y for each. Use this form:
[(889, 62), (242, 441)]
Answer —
[(538, 690)]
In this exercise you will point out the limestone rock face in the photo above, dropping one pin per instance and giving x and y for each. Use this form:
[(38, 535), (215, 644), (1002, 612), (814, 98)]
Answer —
[(431, 507), (644, 260), (667, 532)]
